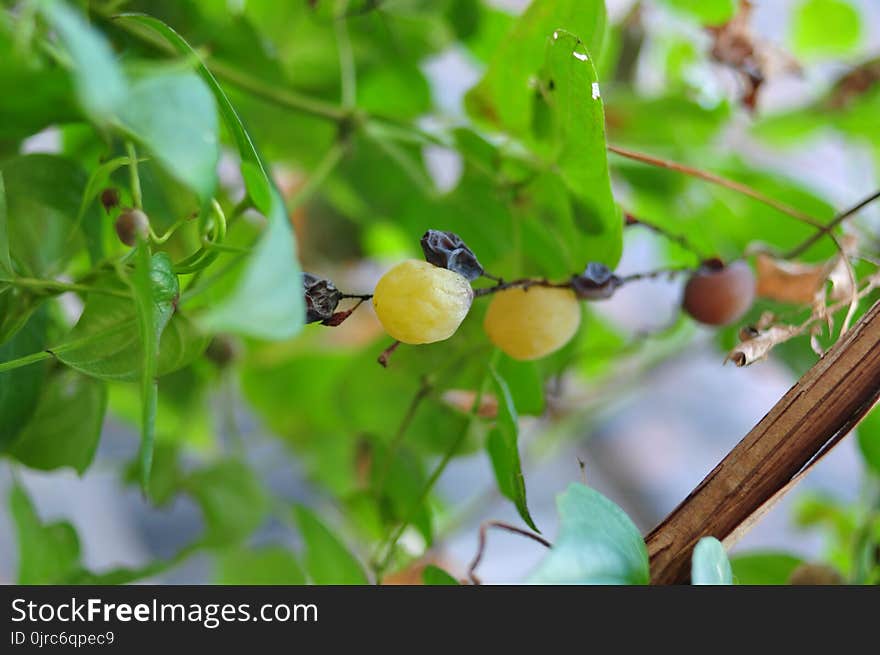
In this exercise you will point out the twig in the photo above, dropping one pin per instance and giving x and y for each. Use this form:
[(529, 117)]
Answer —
[(826, 229), (386, 354), (679, 239), (523, 283), (481, 543), (422, 393), (717, 179)]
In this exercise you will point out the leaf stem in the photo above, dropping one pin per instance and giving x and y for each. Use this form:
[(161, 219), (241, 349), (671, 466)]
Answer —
[(134, 176), (53, 286), (441, 466), (26, 360), (347, 72), (717, 179)]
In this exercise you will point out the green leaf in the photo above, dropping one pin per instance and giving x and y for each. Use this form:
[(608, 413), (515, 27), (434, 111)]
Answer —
[(269, 565), (708, 12), (47, 553), (763, 568), (267, 300), (504, 451), (105, 342), (869, 439), (66, 426), (709, 563), (153, 302), (597, 543), (570, 91), (20, 388), (504, 96), (233, 501), (825, 28), (5, 261), (42, 201), (174, 115), (100, 83), (327, 560), (434, 575)]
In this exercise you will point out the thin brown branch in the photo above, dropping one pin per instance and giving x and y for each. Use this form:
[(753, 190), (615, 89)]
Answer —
[(826, 229), (815, 414), (679, 239), (481, 543), (717, 179)]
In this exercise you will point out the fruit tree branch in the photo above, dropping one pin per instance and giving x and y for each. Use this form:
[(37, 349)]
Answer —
[(818, 411)]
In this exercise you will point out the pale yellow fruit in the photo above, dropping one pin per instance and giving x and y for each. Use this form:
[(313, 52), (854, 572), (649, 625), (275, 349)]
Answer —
[(532, 323), (417, 302)]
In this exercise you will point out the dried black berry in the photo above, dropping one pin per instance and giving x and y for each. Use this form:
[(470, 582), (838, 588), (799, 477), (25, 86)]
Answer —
[(597, 282), (109, 198), (132, 225), (221, 351), (322, 297), (447, 250)]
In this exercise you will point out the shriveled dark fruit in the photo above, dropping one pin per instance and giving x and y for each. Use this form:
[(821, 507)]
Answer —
[(131, 225), (109, 198), (447, 250), (321, 296), (815, 574), (717, 294), (597, 282)]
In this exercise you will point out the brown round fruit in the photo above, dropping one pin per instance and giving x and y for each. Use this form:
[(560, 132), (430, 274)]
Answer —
[(132, 225), (718, 294)]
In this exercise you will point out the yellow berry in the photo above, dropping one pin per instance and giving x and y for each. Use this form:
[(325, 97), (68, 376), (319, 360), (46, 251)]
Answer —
[(532, 323), (417, 302)]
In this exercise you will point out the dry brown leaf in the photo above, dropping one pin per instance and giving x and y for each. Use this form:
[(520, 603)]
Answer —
[(757, 348), (789, 282), (463, 401)]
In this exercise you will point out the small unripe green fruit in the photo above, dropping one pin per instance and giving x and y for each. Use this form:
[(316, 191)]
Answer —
[(132, 225), (718, 294), (532, 323), (417, 302)]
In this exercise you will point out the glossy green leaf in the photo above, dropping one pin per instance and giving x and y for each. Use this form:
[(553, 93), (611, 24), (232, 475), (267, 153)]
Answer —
[(822, 28), (763, 568), (570, 93), (100, 83), (597, 543), (48, 553), (327, 560), (266, 301), (21, 388), (504, 97), (66, 425), (105, 342), (232, 500), (434, 575), (269, 565), (174, 115), (503, 448), (708, 12), (709, 563), (869, 439)]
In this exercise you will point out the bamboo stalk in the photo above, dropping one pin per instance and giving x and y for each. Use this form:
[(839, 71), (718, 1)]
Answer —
[(812, 417)]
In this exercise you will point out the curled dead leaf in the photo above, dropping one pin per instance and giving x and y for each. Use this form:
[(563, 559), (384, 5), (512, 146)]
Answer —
[(758, 347), (789, 282)]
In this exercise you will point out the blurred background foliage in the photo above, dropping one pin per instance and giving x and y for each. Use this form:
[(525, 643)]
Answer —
[(378, 120)]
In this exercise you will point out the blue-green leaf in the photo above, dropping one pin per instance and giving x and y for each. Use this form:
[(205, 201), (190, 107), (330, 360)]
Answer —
[(100, 83), (174, 115), (597, 543), (709, 563)]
